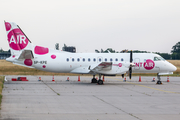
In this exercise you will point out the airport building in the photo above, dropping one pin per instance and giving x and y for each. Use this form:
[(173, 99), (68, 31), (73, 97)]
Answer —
[(66, 48), (69, 49), (4, 54)]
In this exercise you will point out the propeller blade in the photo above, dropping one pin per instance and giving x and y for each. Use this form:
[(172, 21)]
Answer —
[(131, 56), (130, 72), (130, 68), (122, 75)]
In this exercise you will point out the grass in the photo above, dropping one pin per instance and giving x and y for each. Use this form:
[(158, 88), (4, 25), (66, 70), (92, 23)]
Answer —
[(8, 68), (1, 87), (177, 64)]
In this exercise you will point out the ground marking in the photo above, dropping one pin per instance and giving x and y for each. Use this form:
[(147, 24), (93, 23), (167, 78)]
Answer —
[(147, 86)]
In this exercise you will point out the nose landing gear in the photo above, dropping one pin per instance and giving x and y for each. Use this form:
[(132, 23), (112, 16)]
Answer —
[(159, 80)]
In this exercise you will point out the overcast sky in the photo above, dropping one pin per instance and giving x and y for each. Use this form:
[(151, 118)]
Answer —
[(150, 25)]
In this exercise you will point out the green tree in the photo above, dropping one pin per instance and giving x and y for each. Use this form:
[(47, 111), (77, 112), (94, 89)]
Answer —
[(176, 48), (106, 51), (109, 50), (165, 55), (97, 51), (176, 51)]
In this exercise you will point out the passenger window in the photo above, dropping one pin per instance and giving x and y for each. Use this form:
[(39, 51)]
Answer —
[(116, 59), (83, 59), (67, 59), (99, 59), (94, 59), (122, 59), (89, 59), (73, 59), (105, 59), (111, 59), (78, 59)]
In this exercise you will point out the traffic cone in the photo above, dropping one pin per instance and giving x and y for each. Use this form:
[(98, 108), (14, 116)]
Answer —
[(153, 80), (79, 78), (167, 78), (67, 79), (124, 79), (139, 78), (103, 77), (53, 78), (5, 79), (39, 79)]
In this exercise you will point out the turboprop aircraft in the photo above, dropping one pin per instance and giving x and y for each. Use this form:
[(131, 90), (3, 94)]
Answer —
[(24, 53)]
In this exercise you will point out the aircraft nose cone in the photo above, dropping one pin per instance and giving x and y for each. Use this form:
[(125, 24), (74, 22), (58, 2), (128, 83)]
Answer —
[(175, 68)]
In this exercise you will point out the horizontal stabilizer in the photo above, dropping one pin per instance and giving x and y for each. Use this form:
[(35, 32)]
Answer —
[(26, 54), (23, 65)]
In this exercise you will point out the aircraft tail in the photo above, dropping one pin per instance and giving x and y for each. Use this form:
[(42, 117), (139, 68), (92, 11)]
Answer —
[(18, 41)]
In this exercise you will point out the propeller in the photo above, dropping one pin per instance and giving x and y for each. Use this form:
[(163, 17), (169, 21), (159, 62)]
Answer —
[(131, 64), (122, 75)]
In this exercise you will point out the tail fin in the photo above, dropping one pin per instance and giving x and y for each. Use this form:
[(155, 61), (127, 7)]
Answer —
[(17, 40)]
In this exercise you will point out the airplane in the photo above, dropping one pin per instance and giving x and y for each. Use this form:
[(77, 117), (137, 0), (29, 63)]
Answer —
[(24, 53)]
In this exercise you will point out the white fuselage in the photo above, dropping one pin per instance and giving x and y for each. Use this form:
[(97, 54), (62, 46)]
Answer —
[(66, 62)]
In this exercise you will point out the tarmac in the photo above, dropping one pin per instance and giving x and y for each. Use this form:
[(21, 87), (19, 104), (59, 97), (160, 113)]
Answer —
[(83, 100)]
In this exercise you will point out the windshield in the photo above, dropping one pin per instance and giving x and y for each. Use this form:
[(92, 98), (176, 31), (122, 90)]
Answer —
[(159, 59)]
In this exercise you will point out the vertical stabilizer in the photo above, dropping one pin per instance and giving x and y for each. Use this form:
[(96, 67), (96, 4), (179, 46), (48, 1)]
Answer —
[(17, 40)]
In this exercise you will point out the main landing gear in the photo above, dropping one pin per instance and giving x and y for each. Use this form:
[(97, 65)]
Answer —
[(100, 82), (159, 79), (94, 80)]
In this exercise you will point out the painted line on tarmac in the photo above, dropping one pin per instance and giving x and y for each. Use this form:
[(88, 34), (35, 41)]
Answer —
[(147, 87)]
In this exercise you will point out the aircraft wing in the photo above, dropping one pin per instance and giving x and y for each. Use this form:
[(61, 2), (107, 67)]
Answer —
[(101, 66), (26, 54), (93, 68), (81, 70)]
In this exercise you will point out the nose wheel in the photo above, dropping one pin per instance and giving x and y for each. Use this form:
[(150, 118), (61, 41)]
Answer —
[(159, 82)]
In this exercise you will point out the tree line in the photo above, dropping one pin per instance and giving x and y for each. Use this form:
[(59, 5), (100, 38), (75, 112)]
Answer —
[(175, 52)]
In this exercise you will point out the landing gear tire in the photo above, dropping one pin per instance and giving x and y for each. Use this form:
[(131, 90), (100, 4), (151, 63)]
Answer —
[(159, 82), (94, 80), (100, 82)]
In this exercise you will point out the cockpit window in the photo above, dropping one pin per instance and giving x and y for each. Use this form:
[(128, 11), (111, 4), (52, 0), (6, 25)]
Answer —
[(156, 59), (159, 59), (162, 59)]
